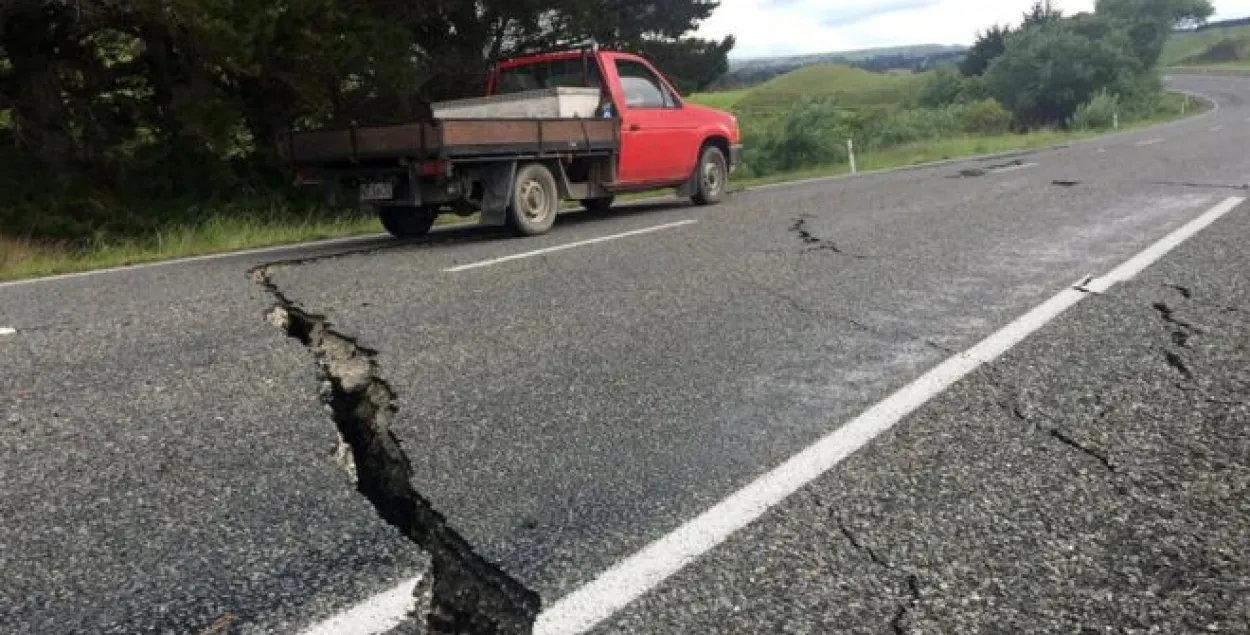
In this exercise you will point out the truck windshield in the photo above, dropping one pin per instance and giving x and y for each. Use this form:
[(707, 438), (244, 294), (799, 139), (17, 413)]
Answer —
[(554, 74)]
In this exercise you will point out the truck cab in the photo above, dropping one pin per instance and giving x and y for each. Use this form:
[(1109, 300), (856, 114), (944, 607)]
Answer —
[(663, 137)]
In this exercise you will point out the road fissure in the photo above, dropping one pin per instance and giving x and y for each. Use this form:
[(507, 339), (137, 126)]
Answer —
[(462, 592)]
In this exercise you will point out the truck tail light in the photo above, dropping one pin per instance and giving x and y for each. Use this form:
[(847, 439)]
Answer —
[(433, 168), (307, 176)]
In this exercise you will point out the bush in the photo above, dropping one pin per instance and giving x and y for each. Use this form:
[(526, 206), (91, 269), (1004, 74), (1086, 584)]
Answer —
[(986, 116), (1096, 114), (944, 87), (885, 129), (1047, 73), (807, 134)]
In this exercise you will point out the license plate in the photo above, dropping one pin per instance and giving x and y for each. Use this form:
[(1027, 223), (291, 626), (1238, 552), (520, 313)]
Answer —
[(383, 191)]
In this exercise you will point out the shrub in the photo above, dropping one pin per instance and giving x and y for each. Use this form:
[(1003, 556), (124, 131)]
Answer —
[(1097, 113), (807, 134), (986, 116), (885, 129), (944, 87)]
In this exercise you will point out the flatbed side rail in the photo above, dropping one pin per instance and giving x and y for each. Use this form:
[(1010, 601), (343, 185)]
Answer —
[(452, 139)]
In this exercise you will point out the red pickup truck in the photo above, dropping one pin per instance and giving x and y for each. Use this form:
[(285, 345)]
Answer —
[(516, 171)]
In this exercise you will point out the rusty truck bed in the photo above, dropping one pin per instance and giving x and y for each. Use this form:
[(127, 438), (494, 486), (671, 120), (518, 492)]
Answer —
[(461, 139)]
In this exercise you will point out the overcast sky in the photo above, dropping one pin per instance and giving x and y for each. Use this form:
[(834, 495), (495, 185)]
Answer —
[(784, 27)]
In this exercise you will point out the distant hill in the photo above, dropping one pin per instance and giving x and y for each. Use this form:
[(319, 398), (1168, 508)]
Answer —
[(848, 87), (750, 72), (1218, 43)]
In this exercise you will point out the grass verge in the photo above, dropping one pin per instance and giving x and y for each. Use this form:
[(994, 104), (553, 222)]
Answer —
[(972, 146), (21, 258)]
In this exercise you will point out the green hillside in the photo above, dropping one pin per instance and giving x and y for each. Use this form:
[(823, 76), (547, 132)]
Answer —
[(1218, 46), (849, 88), (919, 50)]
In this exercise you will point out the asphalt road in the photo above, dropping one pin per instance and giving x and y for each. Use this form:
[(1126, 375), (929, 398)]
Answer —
[(165, 464)]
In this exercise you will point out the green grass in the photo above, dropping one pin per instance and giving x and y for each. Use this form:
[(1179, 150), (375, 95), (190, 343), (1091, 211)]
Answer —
[(1242, 65), (848, 87), (974, 145), (20, 258), (723, 100), (1212, 47), (230, 231)]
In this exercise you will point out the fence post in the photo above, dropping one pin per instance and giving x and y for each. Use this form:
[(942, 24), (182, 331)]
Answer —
[(850, 151)]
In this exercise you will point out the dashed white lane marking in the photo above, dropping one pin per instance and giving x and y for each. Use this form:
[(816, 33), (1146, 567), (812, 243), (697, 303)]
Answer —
[(631, 578), (7, 331), (1215, 128), (580, 243), (1150, 142), (1012, 168), (378, 614)]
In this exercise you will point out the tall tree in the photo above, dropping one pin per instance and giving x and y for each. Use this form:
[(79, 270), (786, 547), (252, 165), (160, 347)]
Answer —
[(1149, 23), (986, 49), (1042, 13), (691, 63)]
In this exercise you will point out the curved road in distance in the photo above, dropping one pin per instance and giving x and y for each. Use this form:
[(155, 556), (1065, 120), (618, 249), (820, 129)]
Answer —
[(165, 465)]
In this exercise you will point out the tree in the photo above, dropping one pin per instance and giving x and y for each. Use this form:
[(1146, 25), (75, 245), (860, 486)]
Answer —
[(692, 64), (1173, 13), (986, 49), (1149, 23), (1046, 73), (1042, 13)]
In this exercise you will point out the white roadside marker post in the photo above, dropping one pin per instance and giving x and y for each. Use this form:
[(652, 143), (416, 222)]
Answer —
[(850, 151)]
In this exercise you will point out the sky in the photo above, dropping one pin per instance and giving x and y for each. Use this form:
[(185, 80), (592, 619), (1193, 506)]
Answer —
[(790, 27)]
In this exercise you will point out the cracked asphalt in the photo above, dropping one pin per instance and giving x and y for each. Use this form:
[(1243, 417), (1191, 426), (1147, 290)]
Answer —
[(165, 462)]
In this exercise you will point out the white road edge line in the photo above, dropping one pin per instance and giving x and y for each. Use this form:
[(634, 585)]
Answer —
[(629, 579), (7, 331), (378, 614), (634, 576), (580, 243), (1215, 128), (1150, 142)]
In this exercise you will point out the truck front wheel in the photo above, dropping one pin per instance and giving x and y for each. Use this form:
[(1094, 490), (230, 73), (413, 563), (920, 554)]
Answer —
[(535, 200), (711, 177), (407, 222)]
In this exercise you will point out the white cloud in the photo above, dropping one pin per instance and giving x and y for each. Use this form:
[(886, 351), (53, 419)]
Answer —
[(780, 27)]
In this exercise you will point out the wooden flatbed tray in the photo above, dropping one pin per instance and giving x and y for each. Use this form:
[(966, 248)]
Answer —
[(462, 139)]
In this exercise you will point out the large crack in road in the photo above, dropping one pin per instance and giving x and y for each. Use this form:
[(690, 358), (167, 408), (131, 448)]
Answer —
[(461, 593)]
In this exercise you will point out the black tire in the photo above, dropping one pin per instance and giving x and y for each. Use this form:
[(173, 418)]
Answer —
[(407, 222), (601, 204), (535, 201), (711, 177)]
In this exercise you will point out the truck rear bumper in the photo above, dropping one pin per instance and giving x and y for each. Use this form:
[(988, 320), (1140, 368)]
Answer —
[(735, 157)]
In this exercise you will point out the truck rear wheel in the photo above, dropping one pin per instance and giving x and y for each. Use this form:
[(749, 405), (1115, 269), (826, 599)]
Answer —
[(407, 222), (535, 200), (711, 177)]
